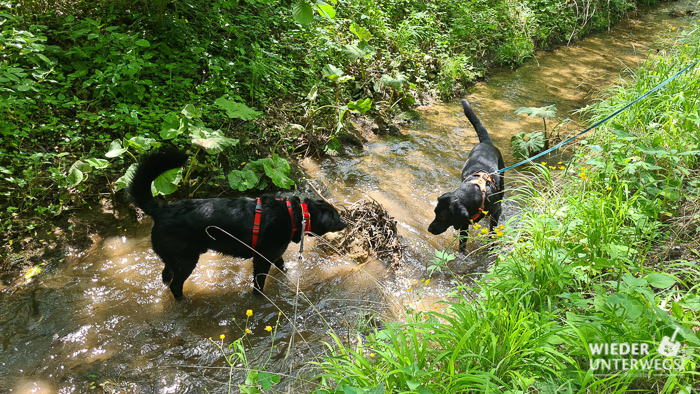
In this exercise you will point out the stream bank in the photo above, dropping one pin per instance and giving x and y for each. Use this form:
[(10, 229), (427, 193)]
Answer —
[(70, 323)]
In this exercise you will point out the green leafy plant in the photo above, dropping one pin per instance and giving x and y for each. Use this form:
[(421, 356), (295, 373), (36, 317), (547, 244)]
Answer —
[(188, 122), (255, 174), (440, 261), (527, 144), (361, 106), (235, 354), (303, 11)]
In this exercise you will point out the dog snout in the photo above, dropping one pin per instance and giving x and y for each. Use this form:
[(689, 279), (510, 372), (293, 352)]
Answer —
[(435, 228)]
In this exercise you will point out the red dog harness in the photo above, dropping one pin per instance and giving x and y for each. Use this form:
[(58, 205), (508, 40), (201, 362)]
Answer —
[(481, 182), (258, 216)]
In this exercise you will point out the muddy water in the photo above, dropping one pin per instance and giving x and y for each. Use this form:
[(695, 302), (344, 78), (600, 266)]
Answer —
[(104, 319)]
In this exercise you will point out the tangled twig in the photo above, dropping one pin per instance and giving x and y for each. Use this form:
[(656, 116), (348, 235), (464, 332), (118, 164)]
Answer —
[(371, 229)]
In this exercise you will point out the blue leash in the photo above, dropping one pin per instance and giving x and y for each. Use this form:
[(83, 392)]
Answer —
[(566, 141)]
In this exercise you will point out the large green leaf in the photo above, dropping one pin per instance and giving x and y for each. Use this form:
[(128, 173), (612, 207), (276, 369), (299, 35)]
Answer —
[(267, 379), (236, 110), (75, 176), (242, 180), (361, 106), (526, 144), (661, 281), (342, 110), (632, 306), (333, 145), (313, 93), (140, 143), (325, 9), (191, 111), (394, 83), (359, 50), (115, 149), (97, 163), (173, 126), (278, 169), (547, 112), (361, 33), (124, 180), (303, 13), (332, 72), (210, 139), (76, 173), (167, 182)]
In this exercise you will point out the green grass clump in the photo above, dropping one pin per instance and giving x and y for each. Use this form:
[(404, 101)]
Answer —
[(583, 267)]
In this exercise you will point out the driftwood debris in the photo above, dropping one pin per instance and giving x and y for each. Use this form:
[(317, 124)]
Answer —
[(371, 232)]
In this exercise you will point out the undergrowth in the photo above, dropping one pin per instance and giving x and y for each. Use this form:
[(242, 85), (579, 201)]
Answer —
[(81, 79)]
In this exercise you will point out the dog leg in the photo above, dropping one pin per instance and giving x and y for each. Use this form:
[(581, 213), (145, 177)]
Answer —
[(261, 267), (493, 218), (167, 275), (178, 274), (463, 234), (279, 263)]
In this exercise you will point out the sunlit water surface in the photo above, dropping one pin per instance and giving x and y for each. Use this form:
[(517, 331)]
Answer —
[(105, 318)]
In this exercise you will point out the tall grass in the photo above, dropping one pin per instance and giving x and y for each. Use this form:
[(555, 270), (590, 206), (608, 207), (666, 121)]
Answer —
[(580, 270)]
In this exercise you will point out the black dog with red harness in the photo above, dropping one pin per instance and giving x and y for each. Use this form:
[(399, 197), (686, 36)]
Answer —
[(260, 228), (481, 191)]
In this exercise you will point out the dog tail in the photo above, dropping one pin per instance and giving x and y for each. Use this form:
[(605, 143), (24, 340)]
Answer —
[(150, 166), (478, 126)]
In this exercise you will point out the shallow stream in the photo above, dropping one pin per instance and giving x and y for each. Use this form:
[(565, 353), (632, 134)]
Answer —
[(104, 318)]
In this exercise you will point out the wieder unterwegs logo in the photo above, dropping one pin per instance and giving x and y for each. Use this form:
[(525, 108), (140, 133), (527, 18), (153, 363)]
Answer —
[(612, 358)]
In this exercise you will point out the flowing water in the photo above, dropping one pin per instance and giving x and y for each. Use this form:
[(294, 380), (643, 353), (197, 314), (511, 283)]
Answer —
[(105, 320)]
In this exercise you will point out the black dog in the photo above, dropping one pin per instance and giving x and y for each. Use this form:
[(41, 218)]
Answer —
[(481, 190), (262, 228)]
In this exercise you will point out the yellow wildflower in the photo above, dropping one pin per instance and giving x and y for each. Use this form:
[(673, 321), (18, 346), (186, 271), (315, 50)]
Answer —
[(501, 227), (222, 336), (544, 163), (427, 281), (268, 328), (485, 231), (247, 331), (249, 312), (477, 226)]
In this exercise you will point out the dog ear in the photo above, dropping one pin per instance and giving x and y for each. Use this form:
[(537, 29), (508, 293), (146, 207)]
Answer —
[(460, 215), (445, 199)]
